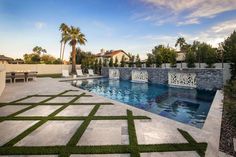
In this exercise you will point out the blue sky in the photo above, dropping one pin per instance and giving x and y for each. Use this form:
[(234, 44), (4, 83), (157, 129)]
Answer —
[(135, 26)]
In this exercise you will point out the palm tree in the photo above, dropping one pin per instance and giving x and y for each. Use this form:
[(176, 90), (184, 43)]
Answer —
[(63, 28), (73, 35), (39, 50), (181, 42)]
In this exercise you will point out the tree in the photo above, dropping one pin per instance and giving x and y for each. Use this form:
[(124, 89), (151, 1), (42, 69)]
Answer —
[(64, 29), (210, 56), (32, 58), (99, 66), (158, 60), (116, 62), (73, 35), (131, 60), (197, 51), (190, 59), (111, 62), (47, 59), (158, 53), (39, 50), (229, 47), (122, 62), (181, 43), (96, 66), (150, 60), (105, 62), (172, 57), (138, 61)]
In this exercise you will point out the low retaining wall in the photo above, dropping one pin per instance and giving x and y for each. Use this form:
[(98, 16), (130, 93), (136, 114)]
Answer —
[(2, 80), (40, 68), (207, 79)]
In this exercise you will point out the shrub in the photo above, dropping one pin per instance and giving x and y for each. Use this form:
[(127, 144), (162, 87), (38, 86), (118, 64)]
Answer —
[(190, 59)]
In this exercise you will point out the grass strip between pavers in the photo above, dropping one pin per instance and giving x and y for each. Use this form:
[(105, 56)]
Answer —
[(193, 142), (72, 118), (104, 149), (133, 141), (35, 126), (79, 132)]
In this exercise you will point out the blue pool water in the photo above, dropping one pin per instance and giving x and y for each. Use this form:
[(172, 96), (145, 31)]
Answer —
[(189, 106)]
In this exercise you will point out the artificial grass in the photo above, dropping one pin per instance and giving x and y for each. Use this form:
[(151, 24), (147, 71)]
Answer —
[(134, 149), (50, 75), (79, 132)]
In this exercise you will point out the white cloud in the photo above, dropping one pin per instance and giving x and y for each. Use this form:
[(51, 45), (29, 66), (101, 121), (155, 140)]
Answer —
[(215, 34), (188, 22), (184, 12), (39, 25)]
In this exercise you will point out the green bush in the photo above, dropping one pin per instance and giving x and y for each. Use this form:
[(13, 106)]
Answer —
[(230, 101), (190, 59)]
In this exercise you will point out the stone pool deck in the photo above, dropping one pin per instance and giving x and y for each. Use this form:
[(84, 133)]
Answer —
[(57, 119)]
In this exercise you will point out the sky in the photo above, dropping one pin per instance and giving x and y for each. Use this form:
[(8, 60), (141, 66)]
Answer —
[(135, 26)]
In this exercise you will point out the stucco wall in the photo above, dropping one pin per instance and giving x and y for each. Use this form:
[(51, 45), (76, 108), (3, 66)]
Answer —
[(40, 68), (206, 78), (2, 80), (119, 57)]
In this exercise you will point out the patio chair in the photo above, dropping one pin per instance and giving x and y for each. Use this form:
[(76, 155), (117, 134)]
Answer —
[(31, 75), (9, 77), (90, 72), (79, 72), (19, 76), (65, 73)]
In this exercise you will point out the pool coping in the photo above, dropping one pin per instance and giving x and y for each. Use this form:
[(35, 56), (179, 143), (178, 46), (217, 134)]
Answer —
[(211, 127)]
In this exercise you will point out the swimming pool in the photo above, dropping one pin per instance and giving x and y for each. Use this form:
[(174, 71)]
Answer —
[(189, 106)]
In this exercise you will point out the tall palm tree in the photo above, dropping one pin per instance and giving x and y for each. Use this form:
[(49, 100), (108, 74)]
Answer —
[(73, 35), (63, 28), (181, 43), (39, 50)]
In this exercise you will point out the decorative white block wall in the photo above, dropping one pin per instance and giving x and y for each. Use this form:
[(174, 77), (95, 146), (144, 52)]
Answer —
[(139, 76), (182, 79), (114, 74)]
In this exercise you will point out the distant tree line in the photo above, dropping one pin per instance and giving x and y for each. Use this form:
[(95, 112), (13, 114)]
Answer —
[(39, 56)]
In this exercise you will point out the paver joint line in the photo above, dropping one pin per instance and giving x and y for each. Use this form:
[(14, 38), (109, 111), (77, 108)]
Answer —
[(133, 148)]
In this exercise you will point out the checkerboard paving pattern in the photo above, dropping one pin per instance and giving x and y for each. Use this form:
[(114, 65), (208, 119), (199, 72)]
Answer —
[(74, 124)]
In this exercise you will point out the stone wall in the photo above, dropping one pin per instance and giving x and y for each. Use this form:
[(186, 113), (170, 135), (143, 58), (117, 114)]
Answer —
[(207, 79)]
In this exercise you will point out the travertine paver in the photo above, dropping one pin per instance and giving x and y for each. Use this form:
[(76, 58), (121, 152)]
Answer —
[(100, 155), (90, 100), (170, 154), (111, 110), (105, 132), (33, 100), (73, 93), (10, 129), (79, 110), (51, 133), (10, 109), (60, 100), (44, 110), (157, 133)]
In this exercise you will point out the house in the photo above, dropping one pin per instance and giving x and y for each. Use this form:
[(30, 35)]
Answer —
[(180, 57), (5, 60), (112, 54)]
